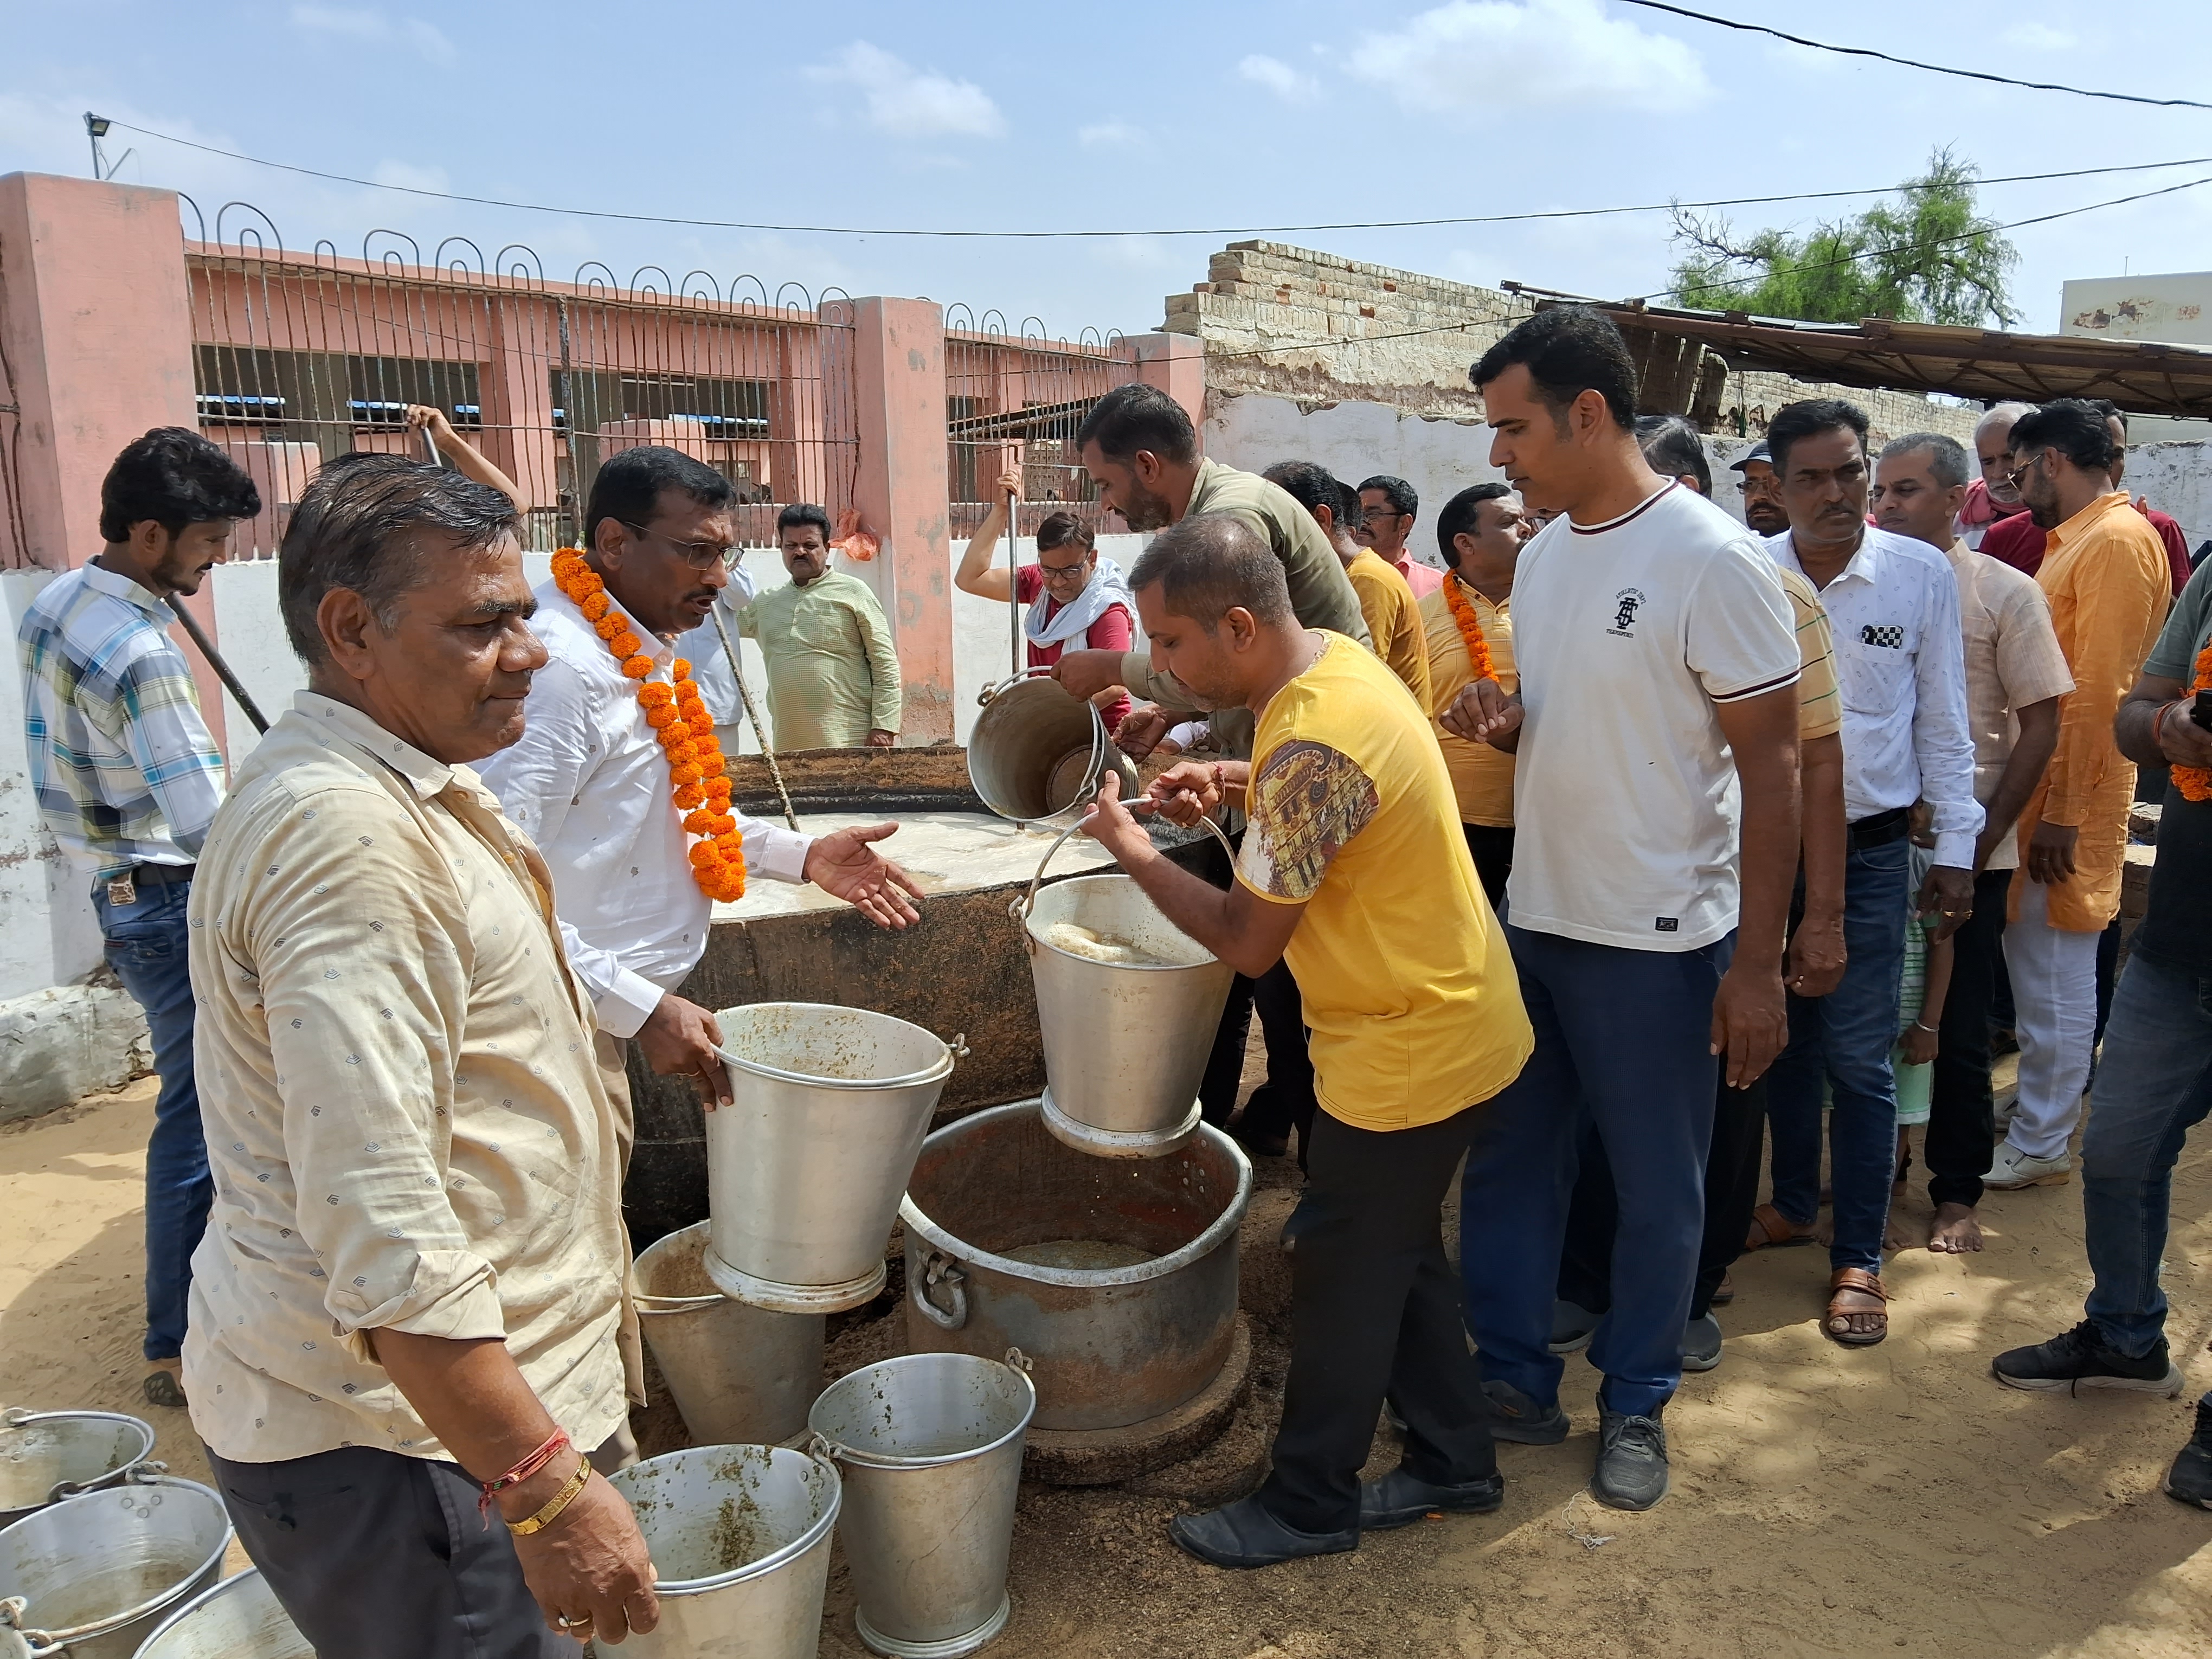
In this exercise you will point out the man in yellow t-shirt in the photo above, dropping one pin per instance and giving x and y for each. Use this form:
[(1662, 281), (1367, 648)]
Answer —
[(1354, 873), (1393, 621), (1480, 533)]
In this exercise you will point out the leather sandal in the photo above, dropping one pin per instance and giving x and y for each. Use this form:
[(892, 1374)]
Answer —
[(1770, 1228), (1837, 1325)]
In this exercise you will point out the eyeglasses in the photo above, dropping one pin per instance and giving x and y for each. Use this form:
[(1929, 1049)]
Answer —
[(2014, 474), (700, 555), (1380, 514), (1061, 573)]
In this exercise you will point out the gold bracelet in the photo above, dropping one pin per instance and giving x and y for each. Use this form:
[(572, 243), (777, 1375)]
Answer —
[(560, 1501)]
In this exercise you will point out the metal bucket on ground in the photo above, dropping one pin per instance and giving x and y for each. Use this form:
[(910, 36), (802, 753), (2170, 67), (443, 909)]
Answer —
[(238, 1619), (1038, 753), (805, 1165), (46, 1456), (740, 1537), (739, 1375), (1117, 1280), (96, 1574), (1124, 1042), (931, 1449)]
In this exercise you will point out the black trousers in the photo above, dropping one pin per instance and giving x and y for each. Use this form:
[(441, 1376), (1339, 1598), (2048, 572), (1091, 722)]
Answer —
[(1731, 1194), (1492, 846), (1961, 1129), (1375, 1314), (375, 1554)]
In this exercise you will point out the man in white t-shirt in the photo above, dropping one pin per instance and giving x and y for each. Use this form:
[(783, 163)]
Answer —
[(1657, 716)]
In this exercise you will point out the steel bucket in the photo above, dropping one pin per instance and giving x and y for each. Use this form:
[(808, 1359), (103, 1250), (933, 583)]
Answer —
[(238, 1619), (46, 1456), (1125, 1043), (739, 1375), (740, 1537), (1038, 753), (1117, 1280), (931, 1448), (96, 1574), (806, 1163)]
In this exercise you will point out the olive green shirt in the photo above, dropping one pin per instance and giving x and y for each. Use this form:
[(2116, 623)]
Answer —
[(1322, 595), (833, 676)]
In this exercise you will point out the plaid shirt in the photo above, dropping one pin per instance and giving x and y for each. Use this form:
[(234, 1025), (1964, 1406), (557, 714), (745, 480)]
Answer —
[(123, 766)]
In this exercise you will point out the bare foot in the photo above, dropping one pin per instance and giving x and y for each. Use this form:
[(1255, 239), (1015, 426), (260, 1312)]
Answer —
[(1956, 1231)]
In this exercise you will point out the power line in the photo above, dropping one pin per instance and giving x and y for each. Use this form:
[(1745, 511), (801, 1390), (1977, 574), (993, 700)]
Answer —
[(1733, 282), (1228, 230), (1913, 64)]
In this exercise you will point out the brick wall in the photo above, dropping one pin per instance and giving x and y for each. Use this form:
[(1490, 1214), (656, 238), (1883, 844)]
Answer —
[(1294, 323)]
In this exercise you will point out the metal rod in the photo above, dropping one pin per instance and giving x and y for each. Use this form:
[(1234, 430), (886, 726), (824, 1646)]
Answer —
[(745, 694), (1014, 577), (431, 444), (215, 661)]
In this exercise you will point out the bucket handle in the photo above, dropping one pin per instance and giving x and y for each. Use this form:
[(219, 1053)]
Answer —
[(1020, 1361), (941, 1269), (129, 1474), (993, 689), (1021, 907)]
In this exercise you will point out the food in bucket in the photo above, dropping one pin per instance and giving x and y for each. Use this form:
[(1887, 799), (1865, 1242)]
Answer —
[(1079, 941)]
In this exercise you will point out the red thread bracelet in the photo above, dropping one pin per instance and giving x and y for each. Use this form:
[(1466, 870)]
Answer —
[(487, 1490)]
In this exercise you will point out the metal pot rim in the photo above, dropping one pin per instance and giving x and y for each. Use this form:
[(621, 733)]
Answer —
[(1222, 1226), (213, 1592), (1029, 925), (934, 1073), (24, 1419), (837, 1451), (783, 1554), (116, 1621)]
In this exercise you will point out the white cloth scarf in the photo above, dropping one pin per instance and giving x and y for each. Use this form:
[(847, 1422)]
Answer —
[(1105, 590)]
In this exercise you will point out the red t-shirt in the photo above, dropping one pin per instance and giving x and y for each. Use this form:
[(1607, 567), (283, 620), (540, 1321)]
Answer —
[(1114, 631), (2015, 541)]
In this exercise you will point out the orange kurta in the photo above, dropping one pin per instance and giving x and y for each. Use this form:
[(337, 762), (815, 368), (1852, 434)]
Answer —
[(2104, 572)]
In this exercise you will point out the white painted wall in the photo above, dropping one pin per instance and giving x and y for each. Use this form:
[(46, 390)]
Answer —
[(1356, 440), (47, 933)]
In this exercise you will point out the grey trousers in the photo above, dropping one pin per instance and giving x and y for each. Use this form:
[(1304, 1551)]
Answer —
[(375, 1555)]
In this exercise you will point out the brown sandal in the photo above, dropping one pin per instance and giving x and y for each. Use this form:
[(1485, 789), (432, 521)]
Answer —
[(1837, 1324), (1770, 1228)]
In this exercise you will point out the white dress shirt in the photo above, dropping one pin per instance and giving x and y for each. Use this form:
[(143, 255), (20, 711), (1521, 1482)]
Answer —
[(588, 782), (1900, 658)]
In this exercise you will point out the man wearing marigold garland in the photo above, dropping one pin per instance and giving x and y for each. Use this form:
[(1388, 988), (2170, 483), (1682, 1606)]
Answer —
[(618, 768)]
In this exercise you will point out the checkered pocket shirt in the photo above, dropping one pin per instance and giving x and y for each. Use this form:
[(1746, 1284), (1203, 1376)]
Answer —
[(122, 765)]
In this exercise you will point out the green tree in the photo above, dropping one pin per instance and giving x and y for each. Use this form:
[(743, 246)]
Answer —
[(1925, 257)]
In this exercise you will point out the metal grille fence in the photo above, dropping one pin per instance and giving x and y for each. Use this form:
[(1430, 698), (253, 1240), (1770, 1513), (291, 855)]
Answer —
[(1014, 402), (300, 357)]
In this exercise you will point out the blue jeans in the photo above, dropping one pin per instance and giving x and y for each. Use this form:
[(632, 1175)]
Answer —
[(146, 947), (2153, 1086), (1623, 1040), (1847, 1035)]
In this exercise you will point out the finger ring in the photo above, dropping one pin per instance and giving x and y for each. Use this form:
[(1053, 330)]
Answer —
[(567, 1623)]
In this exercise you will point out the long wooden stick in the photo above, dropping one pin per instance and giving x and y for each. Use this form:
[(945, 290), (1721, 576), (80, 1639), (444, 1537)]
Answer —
[(744, 691), (215, 661)]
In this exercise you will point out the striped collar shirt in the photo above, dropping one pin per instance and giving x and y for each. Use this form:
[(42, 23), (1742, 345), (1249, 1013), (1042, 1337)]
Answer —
[(123, 766)]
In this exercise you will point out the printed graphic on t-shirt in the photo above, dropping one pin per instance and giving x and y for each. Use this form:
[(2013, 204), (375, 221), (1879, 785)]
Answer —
[(1889, 635), (1306, 803), (1625, 604)]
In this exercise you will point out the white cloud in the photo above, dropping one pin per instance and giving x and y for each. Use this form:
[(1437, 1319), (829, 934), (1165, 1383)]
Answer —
[(1279, 77), (911, 102), (2039, 37), (1110, 134), (426, 41), (1485, 57)]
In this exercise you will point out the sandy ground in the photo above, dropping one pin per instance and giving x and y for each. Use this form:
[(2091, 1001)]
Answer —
[(1825, 1503)]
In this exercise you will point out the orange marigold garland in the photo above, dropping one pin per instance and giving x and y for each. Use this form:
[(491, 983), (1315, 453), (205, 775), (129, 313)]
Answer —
[(679, 717), (2194, 782), (1470, 628)]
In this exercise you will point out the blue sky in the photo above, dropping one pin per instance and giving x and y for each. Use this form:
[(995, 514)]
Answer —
[(1143, 116)]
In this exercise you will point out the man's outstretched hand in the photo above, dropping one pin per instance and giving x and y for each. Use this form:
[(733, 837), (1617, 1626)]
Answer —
[(844, 863)]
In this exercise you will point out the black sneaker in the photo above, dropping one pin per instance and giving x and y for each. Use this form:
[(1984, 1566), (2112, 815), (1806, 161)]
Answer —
[(1399, 1500), (1515, 1417), (2189, 1480), (1632, 1460), (2081, 1358), (1245, 1533)]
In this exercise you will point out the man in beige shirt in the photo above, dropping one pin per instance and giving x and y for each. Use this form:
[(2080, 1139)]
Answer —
[(411, 1280), (2015, 676)]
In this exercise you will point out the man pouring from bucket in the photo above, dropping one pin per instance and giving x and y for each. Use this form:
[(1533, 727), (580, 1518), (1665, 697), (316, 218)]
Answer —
[(1354, 872)]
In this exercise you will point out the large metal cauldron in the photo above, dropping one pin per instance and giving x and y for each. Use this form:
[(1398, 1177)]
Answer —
[(1038, 753), (1117, 1278), (46, 1456), (97, 1574)]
